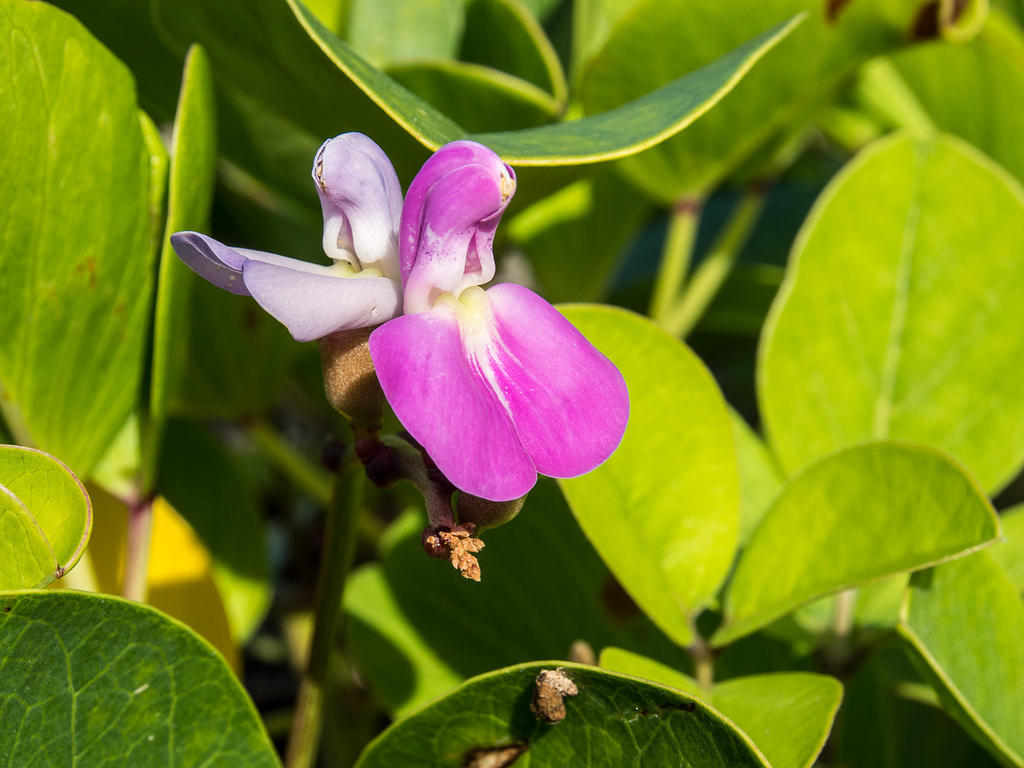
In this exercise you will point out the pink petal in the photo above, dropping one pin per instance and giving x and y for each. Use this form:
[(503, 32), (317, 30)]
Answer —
[(312, 304), (448, 221), (446, 406), (568, 402)]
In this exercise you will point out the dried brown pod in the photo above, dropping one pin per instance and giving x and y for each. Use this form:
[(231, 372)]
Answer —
[(553, 685)]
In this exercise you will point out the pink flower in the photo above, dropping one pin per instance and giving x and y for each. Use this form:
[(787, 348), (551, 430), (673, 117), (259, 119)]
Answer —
[(496, 385), (361, 201)]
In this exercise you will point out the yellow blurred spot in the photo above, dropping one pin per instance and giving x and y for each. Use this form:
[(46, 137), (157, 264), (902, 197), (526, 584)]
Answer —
[(179, 575)]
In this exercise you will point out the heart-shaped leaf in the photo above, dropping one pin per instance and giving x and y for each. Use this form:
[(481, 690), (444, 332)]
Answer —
[(45, 518)]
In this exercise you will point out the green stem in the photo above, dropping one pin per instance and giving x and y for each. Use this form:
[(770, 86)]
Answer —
[(136, 564), (675, 255), (703, 659), (339, 545), (838, 652), (680, 319)]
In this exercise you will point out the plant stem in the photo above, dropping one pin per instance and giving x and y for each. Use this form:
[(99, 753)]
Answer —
[(339, 545), (703, 658), (675, 255), (136, 564), (838, 652), (680, 319)]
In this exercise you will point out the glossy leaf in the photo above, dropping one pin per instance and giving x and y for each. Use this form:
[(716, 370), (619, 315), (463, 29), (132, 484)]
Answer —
[(88, 679), (663, 510), (965, 620), (643, 122), (479, 98), (787, 715), (654, 42), (45, 518), (614, 721), (910, 330), (70, 132), (514, 614), (860, 507), (193, 167)]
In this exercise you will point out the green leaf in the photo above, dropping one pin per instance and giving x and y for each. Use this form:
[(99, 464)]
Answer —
[(965, 621), (876, 509), (208, 486), (478, 97), (193, 167), (504, 34), (45, 518), (1010, 553), (787, 715), (327, 87), (653, 42), (636, 664), (514, 614), (885, 723), (239, 356), (663, 510), (911, 329), (386, 32), (760, 477), (89, 679), (576, 238), (641, 123), (76, 249), (614, 721), (280, 55), (974, 90)]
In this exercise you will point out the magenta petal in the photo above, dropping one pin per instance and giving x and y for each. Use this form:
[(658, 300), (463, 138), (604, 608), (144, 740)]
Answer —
[(448, 221), (312, 304), (211, 260), (425, 375), (568, 402)]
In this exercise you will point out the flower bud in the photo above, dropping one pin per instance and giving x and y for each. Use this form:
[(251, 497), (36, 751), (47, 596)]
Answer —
[(350, 381), (486, 514)]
